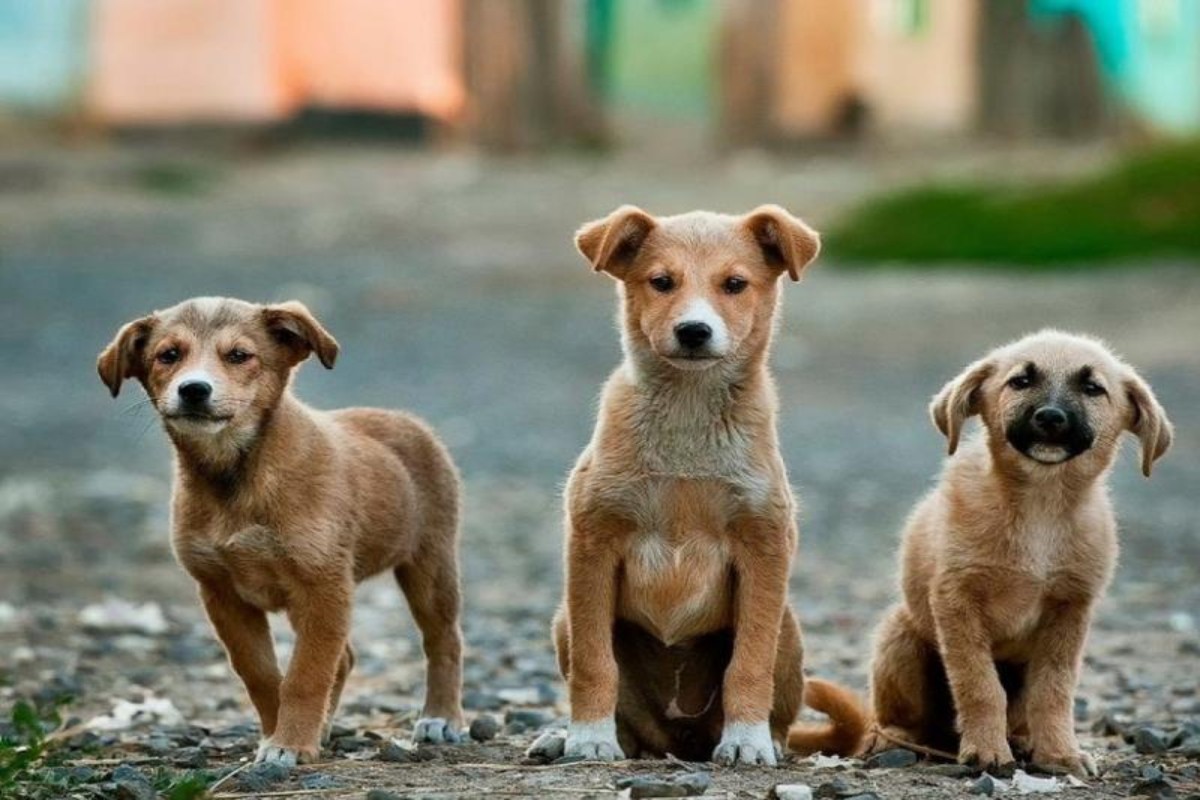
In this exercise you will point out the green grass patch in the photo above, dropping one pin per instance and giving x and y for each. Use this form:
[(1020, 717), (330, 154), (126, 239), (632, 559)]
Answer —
[(174, 178), (1147, 205)]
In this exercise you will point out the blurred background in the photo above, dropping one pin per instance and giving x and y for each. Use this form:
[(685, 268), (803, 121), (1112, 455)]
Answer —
[(414, 171)]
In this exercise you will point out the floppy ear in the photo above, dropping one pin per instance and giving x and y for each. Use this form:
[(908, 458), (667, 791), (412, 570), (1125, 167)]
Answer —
[(958, 400), (611, 244), (1147, 421), (295, 328), (123, 357), (786, 242)]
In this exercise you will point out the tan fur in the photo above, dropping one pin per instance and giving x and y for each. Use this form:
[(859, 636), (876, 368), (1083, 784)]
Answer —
[(284, 508), (1002, 565), (679, 517)]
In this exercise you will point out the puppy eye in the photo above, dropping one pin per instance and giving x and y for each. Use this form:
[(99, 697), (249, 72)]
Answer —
[(1093, 389), (735, 285), (237, 356), (168, 356), (662, 283), (1020, 382)]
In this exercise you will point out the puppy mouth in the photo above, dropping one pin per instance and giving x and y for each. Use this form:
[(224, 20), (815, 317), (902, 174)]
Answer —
[(1049, 454), (197, 418), (692, 361)]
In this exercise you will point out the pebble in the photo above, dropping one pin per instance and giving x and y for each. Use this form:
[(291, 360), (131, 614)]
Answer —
[(484, 728), (521, 720), (352, 744), (1149, 741), (318, 780), (190, 758), (132, 784), (834, 788), (985, 784), (895, 758), (792, 791), (691, 784), (1157, 789), (548, 747), (261, 777), (396, 753)]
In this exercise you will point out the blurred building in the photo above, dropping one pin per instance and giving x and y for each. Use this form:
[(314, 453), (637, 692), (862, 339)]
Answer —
[(524, 73)]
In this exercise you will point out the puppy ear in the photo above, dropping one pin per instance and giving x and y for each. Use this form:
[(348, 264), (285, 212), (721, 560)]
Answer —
[(786, 242), (610, 244), (123, 357), (958, 400), (1147, 421), (296, 329)]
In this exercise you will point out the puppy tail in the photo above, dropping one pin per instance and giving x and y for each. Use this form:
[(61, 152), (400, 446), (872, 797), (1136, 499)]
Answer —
[(848, 723)]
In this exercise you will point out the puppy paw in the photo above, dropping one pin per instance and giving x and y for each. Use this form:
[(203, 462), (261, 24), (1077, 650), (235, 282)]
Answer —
[(746, 743), (1077, 763), (436, 730), (594, 741), (270, 752), (985, 754)]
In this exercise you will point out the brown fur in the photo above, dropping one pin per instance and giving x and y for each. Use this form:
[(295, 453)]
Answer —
[(1002, 565), (279, 507), (679, 517)]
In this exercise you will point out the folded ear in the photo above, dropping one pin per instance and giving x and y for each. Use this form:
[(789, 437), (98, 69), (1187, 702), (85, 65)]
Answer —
[(786, 242), (958, 400), (296, 329), (610, 244), (1147, 421), (123, 357)]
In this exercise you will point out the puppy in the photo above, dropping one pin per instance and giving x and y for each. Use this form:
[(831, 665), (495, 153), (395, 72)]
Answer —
[(279, 507), (675, 635), (1004, 561)]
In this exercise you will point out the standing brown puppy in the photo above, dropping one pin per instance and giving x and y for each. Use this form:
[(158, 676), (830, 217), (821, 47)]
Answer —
[(675, 635), (1004, 561), (279, 507)]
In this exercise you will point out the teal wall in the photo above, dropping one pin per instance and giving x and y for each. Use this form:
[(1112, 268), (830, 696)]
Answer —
[(43, 47)]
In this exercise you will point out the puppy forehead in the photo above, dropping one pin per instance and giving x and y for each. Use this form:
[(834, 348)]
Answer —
[(698, 237), (206, 317), (1058, 353)]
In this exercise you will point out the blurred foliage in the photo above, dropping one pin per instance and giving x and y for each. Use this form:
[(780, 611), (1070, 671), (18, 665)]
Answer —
[(174, 178), (1146, 205)]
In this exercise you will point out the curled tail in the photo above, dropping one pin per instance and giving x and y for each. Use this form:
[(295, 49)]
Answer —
[(848, 723)]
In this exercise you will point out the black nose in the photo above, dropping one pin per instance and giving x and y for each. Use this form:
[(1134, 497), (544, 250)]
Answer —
[(693, 334), (195, 391), (1049, 419)]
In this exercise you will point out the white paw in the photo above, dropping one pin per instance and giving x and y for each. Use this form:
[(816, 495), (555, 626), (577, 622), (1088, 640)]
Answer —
[(745, 743), (269, 753), (595, 741), (435, 730)]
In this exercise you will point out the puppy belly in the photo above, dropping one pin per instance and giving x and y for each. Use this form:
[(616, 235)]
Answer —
[(677, 592), (670, 696)]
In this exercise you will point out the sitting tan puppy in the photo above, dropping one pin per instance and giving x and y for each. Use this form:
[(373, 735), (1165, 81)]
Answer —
[(675, 635), (278, 507), (1004, 561)]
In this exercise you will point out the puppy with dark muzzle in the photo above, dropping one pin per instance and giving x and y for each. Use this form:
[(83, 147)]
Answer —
[(1004, 562), (279, 507)]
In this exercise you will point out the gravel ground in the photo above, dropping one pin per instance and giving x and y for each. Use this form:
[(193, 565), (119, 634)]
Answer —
[(452, 287)]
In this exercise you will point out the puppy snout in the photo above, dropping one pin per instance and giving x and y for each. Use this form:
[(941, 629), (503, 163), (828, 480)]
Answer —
[(1050, 420), (195, 392), (693, 335)]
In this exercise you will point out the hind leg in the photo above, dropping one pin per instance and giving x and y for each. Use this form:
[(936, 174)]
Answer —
[(345, 666), (431, 587), (906, 701), (789, 679)]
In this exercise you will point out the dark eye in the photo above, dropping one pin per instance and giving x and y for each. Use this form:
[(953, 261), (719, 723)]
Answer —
[(1093, 389), (237, 356), (1020, 382), (735, 285), (168, 356), (662, 283)]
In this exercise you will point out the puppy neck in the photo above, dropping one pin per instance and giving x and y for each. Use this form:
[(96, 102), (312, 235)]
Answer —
[(229, 459), (1062, 487)]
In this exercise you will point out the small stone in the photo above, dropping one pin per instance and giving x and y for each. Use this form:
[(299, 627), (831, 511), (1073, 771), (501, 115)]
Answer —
[(484, 728), (351, 744), (1149, 741), (690, 784), (1157, 789), (985, 784), (1108, 725), (834, 788), (337, 731), (1189, 748), (396, 753), (132, 784), (261, 777), (792, 791), (190, 758), (318, 780), (382, 794), (895, 758), (548, 747), (520, 720)]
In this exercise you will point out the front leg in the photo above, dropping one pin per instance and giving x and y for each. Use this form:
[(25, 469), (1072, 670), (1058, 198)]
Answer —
[(762, 559), (592, 674), (979, 698), (1050, 681), (320, 616), (246, 636)]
